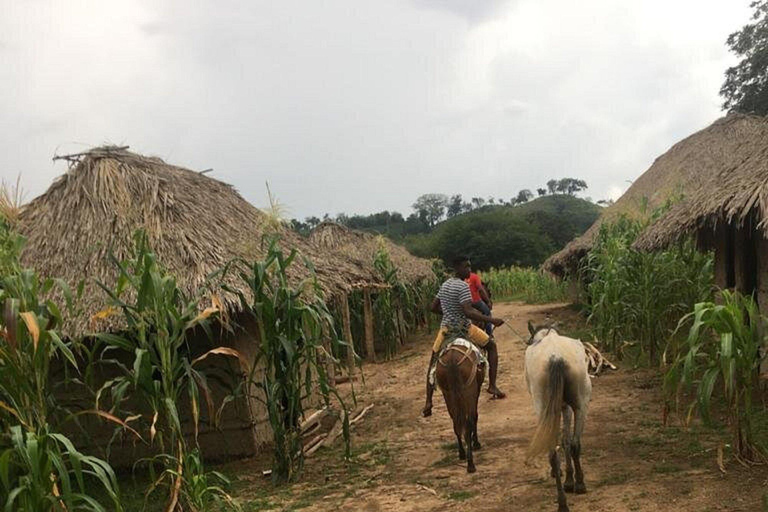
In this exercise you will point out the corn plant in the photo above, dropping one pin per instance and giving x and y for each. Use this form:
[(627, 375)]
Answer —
[(634, 299), (526, 284), (288, 370), (723, 346), (159, 318), (43, 471), (40, 469)]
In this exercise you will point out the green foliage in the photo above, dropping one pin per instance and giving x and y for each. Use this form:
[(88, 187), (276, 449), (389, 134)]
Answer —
[(723, 347), (159, 319), (527, 284), (636, 297), (746, 84), (289, 369), (40, 469), (502, 236)]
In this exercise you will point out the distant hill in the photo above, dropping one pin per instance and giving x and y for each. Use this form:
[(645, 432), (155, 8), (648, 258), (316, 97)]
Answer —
[(496, 236)]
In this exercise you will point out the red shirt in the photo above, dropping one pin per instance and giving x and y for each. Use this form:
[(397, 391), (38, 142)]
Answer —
[(474, 286)]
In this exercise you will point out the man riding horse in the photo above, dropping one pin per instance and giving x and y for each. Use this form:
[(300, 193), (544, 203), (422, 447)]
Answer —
[(454, 303)]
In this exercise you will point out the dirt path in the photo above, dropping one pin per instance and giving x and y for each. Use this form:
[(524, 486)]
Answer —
[(404, 462)]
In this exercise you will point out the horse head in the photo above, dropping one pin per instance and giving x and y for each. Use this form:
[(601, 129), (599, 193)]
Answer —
[(539, 333)]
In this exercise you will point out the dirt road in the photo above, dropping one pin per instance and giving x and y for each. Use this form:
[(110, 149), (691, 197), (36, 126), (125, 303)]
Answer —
[(404, 462)]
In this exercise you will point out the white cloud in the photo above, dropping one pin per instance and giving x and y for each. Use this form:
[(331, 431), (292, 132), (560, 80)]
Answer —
[(361, 106)]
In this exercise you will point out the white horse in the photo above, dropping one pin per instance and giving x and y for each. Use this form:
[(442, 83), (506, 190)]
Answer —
[(557, 378)]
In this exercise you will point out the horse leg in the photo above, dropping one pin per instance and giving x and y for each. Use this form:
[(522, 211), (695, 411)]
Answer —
[(554, 462), (469, 428), (458, 430), (580, 417), (476, 442), (567, 435)]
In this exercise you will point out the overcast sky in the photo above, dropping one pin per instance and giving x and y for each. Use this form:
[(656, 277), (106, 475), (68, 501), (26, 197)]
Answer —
[(358, 106)]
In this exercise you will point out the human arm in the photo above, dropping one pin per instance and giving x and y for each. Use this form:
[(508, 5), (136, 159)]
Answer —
[(474, 314), (484, 295), (435, 307)]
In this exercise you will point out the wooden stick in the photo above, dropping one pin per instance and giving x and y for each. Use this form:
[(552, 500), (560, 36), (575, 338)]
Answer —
[(347, 324), (360, 416), (370, 353)]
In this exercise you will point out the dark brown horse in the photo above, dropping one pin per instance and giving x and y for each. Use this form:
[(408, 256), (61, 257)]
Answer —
[(460, 374)]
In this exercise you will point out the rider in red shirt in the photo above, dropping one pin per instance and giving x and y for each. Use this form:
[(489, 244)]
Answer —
[(481, 301)]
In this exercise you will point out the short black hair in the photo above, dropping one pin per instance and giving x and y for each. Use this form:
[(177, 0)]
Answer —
[(458, 260)]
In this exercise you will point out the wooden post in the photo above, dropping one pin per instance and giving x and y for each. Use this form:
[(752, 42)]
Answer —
[(330, 366), (762, 273), (722, 248), (401, 325), (761, 245), (347, 325), (741, 260), (370, 354)]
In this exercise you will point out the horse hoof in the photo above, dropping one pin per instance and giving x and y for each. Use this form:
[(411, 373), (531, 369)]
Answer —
[(471, 469), (477, 446), (581, 488), (462, 456), (568, 486), (563, 508)]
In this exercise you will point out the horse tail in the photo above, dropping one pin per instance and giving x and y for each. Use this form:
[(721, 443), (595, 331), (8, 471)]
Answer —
[(548, 428)]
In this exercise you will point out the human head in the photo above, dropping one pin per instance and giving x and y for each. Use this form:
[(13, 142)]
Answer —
[(461, 266)]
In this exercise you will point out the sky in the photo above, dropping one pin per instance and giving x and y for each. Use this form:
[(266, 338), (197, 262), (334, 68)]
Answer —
[(360, 106)]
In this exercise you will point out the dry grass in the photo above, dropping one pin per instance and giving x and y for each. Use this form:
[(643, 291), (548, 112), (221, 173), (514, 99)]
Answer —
[(11, 201), (720, 168), (195, 225)]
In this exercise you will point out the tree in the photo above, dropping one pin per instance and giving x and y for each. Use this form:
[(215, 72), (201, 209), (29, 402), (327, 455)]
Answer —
[(523, 196), (431, 208), (478, 202), (455, 206), (552, 186), (541, 191), (570, 186), (746, 84), (312, 222)]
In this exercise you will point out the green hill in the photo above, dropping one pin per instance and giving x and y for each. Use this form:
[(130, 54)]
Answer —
[(496, 236)]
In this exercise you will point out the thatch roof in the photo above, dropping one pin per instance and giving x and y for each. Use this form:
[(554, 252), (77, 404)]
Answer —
[(734, 185), (195, 225), (361, 247), (681, 170)]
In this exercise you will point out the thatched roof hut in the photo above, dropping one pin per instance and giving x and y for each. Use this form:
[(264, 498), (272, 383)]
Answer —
[(728, 211), (728, 143), (361, 247), (733, 189), (195, 225)]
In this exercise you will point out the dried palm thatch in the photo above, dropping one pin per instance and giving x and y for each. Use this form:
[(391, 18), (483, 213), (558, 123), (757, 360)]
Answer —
[(361, 247), (195, 225), (719, 148), (734, 188)]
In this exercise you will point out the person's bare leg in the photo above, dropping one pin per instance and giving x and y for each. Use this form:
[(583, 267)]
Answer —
[(493, 369), (427, 411)]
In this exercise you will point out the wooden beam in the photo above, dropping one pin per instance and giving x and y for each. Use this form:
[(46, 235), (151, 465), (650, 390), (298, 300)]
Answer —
[(347, 326), (722, 248), (370, 353)]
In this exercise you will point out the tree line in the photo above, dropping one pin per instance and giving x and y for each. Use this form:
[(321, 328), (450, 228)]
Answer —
[(430, 209)]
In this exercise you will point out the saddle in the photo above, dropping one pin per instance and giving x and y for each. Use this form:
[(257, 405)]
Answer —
[(465, 348)]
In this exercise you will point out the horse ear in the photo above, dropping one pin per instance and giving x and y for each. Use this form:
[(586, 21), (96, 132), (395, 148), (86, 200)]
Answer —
[(531, 329)]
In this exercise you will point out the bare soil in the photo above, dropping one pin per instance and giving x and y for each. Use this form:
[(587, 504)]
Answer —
[(403, 462)]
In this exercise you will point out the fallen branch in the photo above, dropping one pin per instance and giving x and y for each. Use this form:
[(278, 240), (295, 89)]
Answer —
[(360, 416), (425, 488), (315, 419)]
